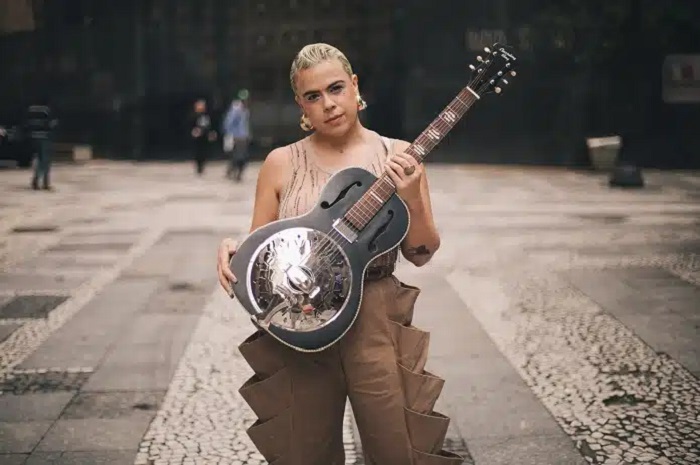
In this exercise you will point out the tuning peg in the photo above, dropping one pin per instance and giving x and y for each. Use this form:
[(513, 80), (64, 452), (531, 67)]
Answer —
[(479, 59), (504, 81), (472, 67), (487, 50), (513, 73), (497, 90)]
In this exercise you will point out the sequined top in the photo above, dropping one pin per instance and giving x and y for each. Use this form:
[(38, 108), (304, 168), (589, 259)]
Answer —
[(307, 179)]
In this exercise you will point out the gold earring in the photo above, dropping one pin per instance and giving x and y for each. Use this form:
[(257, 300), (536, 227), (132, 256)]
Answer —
[(305, 123), (361, 104)]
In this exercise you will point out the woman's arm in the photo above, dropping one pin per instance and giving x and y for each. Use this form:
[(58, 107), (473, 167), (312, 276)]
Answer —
[(267, 198), (422, 240)]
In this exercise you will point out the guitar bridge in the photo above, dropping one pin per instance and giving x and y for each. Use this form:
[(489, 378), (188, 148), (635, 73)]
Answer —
[(345, 230)]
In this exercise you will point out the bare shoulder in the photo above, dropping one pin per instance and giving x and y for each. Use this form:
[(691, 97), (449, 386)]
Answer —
[(269, 187), (395, 145), (275, 166), (401, 145), (277, 158)]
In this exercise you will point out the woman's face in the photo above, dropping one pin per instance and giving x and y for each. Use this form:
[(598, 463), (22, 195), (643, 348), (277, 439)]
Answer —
[(328, 97)]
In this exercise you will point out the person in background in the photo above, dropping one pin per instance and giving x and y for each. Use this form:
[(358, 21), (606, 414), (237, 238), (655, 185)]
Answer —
[(236, 130), (202, 134), (40, 125)]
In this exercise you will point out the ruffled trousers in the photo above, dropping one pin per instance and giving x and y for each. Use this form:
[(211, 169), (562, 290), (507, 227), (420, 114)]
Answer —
[(299, 398)]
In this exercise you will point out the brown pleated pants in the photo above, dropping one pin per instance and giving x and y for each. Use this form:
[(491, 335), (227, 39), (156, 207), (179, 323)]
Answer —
[(299, 398)]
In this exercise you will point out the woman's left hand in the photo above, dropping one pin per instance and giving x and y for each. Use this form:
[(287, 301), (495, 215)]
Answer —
[(407, 185)]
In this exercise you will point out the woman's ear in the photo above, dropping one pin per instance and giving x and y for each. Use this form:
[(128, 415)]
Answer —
[(354, 79)]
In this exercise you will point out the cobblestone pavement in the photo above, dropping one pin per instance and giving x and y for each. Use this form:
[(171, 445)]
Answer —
[(599, 314), (564, 317)]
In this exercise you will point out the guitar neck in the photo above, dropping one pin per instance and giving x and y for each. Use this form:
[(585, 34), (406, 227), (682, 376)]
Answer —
[(360, 214), (442, 124)]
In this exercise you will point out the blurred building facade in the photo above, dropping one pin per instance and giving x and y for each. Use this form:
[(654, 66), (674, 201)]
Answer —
[(123, 75)]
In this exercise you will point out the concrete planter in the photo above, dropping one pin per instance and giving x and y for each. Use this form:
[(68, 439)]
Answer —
[(603, 152), (69, 152), (82, 153)]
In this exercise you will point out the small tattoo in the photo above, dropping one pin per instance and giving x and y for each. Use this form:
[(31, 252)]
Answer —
[(420, 250)]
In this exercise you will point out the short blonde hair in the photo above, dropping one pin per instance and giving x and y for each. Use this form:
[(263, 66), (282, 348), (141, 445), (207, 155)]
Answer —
[(314, 54)]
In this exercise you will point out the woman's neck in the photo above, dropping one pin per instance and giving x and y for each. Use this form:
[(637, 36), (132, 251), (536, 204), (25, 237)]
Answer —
[(355, 135)]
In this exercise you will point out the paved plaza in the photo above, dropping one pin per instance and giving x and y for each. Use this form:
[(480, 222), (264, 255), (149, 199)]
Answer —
[(564, 316)]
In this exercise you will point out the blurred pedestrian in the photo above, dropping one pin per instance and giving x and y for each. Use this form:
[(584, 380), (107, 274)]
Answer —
[(236, 135), (202, 134), (40, 125)]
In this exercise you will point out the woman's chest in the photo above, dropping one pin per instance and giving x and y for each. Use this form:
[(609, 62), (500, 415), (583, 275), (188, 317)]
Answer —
[(307, 178)]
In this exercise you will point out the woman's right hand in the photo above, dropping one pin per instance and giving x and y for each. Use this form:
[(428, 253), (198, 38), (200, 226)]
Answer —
[(226, 250)]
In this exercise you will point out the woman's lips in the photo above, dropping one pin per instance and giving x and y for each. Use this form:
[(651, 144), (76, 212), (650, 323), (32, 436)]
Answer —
[(334, 119)]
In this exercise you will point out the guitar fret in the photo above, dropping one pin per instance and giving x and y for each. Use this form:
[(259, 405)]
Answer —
[(363, 210), (386, 184), (373, 194), (376, 201), (461, 101), (475, 94), (449, 116)]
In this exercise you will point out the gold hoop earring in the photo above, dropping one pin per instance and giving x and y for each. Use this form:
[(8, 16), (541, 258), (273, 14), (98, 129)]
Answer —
[(361, 104), (305, 123)]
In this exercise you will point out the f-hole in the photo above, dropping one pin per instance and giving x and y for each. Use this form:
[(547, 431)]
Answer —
[(372, 245), (341, 195)]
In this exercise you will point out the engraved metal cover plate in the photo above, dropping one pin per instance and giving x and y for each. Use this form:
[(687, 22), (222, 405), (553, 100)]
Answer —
[(299, 279)]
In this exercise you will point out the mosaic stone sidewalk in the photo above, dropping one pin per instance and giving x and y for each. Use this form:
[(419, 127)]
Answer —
[(563, 316), (601, 320)]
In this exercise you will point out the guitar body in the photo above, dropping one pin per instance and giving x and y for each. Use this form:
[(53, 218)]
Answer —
[(301, 279)]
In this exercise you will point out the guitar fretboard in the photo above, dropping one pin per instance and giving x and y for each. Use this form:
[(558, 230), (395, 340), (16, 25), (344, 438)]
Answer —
[(360, 214)]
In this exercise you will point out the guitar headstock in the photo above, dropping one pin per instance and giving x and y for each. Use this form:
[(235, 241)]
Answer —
[(490, 71)]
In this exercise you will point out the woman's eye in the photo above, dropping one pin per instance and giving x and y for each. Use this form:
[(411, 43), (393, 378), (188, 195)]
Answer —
[(311, 98), (337, 88)]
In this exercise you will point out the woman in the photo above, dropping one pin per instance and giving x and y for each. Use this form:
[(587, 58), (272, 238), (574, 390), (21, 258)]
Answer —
[(236, 129), (300, 397)]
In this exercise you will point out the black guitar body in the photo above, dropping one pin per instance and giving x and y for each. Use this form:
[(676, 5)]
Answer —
[(385, 231)]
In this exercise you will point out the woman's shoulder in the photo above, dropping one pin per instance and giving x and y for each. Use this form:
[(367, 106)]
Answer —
[(282, 158), (284, 153), (394, 145)]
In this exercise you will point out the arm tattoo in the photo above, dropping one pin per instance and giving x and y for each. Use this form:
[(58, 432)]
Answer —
[(415, 251)]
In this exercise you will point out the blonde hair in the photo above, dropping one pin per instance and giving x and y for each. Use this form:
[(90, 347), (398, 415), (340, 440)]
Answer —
[(314, 54)]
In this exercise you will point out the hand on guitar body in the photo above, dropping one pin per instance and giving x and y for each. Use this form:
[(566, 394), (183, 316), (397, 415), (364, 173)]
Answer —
[(226, 250)]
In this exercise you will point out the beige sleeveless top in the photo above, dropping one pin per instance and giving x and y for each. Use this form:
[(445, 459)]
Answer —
[(307, 179)]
